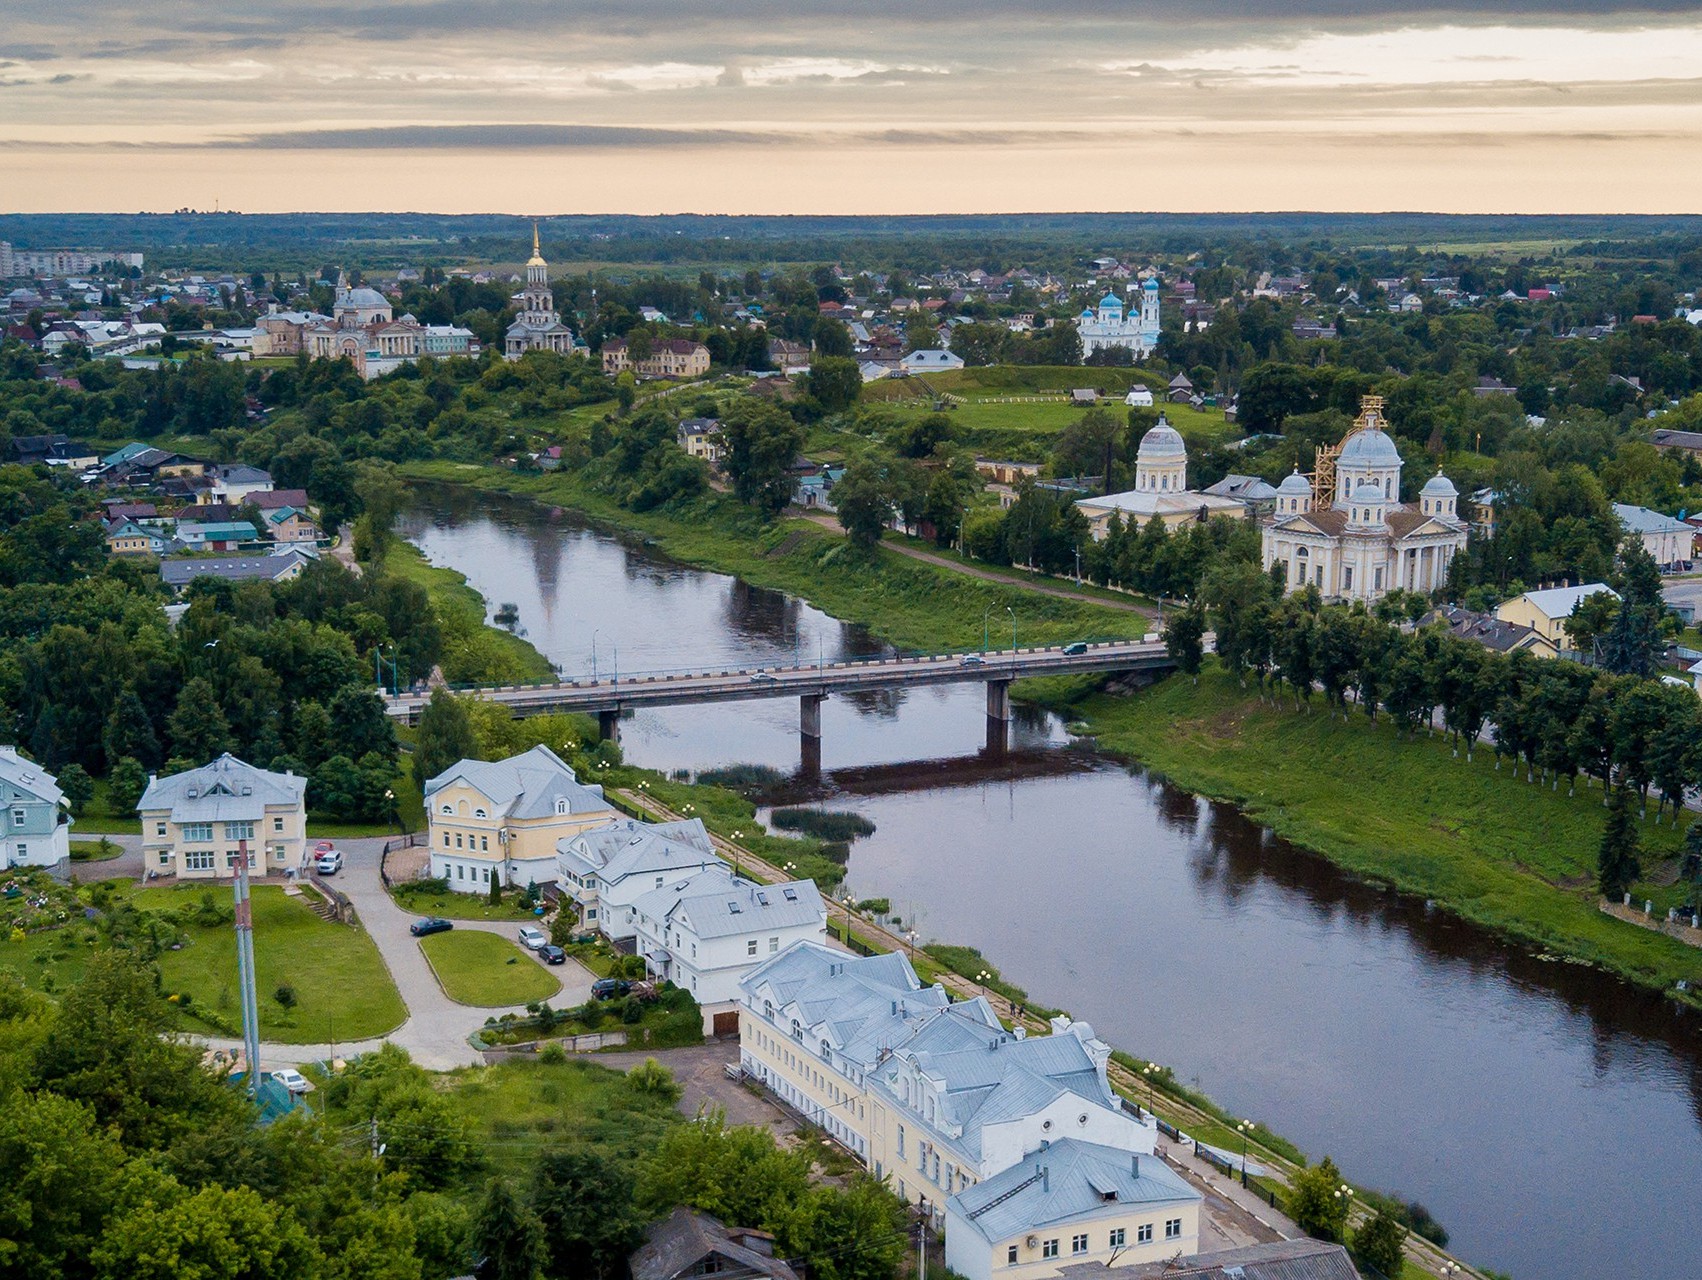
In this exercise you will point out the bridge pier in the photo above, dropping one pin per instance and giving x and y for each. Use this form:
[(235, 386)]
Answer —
[(999, 700), (809, 715), (609, 725)]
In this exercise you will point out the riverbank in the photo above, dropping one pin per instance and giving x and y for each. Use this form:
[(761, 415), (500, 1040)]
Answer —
[(474, 651), (1512, 856), (910, 603)]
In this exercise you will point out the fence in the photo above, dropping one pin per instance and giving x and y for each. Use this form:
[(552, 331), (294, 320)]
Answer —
[(590, 1042), (415, 840), (341, 908)]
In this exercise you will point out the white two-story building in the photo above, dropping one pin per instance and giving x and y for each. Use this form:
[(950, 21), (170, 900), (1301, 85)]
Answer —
[(607, 869)]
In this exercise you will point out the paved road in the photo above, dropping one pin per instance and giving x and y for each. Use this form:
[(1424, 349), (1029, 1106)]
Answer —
[(437, 1028)]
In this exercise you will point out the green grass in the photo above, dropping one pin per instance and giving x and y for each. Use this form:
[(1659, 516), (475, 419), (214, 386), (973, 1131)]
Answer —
[(95, 850), (910, 604), (1510, 855), (473, 652), (342, 987), (102, 818), (474, 968), (458, 906), (522, 1106)]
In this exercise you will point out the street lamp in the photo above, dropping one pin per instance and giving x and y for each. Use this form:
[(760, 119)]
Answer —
[(1012, 612), (736, 836), (911, 938), (1244, 1128), (594, 631), (1147, 1072), (1344, 1196)]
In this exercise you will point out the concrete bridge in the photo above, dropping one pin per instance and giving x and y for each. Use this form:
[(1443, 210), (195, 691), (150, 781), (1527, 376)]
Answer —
[(813, 683)]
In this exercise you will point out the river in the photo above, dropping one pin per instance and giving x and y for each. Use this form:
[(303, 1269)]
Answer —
[(1548, 1115)]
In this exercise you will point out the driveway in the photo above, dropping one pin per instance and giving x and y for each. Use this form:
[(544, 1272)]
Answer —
[(127, 865), (436, 1031)]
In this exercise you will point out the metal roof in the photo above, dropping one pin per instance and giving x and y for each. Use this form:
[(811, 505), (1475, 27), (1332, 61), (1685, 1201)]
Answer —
[(1067, 1182)]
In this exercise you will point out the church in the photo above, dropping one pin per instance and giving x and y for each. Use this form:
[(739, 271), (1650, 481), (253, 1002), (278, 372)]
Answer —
[(1347, 533), (1161, 490), (538, 327), (1112, 325), (361, 330)]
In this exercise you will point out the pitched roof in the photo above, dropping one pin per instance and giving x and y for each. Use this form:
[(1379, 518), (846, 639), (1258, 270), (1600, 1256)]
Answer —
[(1280, 1260), (1067, 1182), (674, 1246), (715, 903), (227, 789), (181, 572), (627, 847), (1643, 520), (28, 776), (1558, 602), (524, 786)]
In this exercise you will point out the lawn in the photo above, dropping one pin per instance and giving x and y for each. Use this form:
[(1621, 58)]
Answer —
[(483, 969), (95, 850), (1489, 846), (425, 900)]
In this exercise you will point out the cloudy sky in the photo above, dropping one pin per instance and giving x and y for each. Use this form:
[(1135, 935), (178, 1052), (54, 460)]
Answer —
[(857, 106)]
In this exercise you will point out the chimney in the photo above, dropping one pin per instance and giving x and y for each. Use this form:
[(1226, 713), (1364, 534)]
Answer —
[(1135, 1165), (8, 753), (1045, 1180)]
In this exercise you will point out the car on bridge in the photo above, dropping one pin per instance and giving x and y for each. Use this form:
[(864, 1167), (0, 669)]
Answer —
[(1079, 646), (761, 677), (970, 660)]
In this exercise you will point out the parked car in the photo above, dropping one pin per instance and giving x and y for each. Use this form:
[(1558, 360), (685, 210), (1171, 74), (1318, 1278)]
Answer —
[(609, 988), (549, 953), (292, 1080), (532, 938), (329, 863), (1080, 646), (431, 924)]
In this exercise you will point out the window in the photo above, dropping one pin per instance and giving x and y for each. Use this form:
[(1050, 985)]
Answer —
[(658, 882), (23, 849), (197, 832), (484, 844), (159, 829), (198, 860), (480, 813), (1347, 577), (1173, 1229), (591, 914), (1143, 1233), (460, 872), (239, 831), (1119, 1237), (773, 945), (277, 824), (446, 809), (1049, 1249), (750, 947), (232, 856), (1078, 1244), (1010, 1256), (165, 857), (901, 1141), (458, 840), (17, 817), (278, 853)]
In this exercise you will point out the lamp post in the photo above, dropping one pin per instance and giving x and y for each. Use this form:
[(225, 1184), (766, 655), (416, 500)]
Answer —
[(1012, 612), (736, 836), (1147, 1073), (1344, 1196), (911, 939), (1244, 1128), (594, 631)]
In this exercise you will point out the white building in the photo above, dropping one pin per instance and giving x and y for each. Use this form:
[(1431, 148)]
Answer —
[(705, 931), (1161, 489), (1067, 1204), (537, 326), (1668, 541), (607, 869), (1112, 325), (1139, 397), (930, 361), (36, 825), (1366, 542)]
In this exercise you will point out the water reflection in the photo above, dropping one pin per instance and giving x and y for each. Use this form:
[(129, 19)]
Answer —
[(1547, 1114)]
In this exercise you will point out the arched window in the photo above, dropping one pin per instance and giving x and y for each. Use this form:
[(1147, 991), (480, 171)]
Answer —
[(1300, 553), (447, 809), (480, 813), (561, 806)]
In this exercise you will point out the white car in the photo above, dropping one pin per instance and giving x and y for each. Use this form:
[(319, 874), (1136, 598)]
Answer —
[(330, 863), (292, 1080), (531, 938)]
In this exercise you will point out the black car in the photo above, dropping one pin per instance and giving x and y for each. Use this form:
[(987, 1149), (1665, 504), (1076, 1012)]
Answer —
[(1080, 646), (431, 924), (549, 953), (609, 988)]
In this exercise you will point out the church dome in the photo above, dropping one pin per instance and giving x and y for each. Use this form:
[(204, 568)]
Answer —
[(1369, 447), (1294, 485), (1161, 444), (1368, 492), (364, 297), (1110, 300), (1152, 283), (1438, 486)]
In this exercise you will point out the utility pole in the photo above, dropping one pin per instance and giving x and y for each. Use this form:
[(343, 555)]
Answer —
[(245, 974)]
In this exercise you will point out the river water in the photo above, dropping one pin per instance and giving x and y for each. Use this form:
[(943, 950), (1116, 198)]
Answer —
[(1550, 1117)]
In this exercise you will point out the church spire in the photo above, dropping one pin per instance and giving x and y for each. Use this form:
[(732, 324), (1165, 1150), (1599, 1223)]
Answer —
[(536, 253)]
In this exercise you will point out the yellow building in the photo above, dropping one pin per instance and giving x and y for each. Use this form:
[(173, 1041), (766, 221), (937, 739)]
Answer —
[(504, 817), (1545, 612), (194, 823)]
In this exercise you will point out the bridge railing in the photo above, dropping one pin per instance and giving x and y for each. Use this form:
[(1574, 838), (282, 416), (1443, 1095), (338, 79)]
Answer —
[(794, 662)]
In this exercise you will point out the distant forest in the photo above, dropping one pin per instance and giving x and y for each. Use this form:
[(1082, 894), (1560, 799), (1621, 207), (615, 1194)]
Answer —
[(374, 241)]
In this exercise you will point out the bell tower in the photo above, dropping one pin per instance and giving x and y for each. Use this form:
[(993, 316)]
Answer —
[(536, 299)]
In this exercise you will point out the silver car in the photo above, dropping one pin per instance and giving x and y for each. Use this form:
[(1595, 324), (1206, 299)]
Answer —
[(531, 938)]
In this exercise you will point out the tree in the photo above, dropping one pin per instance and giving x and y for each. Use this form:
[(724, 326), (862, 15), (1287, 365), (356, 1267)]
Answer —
[(445, 736), (506, 1236), (762, 442), (125, 784), (62, 1170), (1617, 863), (584, 1204), (836, 382), (1184, 636), (1378, 1244), (129, 731), (863, 501), (198, 728), (817, 1230), (78, 787), (217, 1233), (1318, 1201)]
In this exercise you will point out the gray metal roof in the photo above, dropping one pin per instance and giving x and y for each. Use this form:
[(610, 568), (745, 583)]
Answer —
[(623, 848), (524, 786), (1300, 1259), (28, 776), (228, 789), (1068, 1182), (716, 904), (178, 573), (1643, 520)]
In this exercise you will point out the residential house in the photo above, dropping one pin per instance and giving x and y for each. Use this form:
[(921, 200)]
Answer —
[(1071, 1202), (37, 827), (707, 929), (1299, 1259), (930, 361), (1668, 541), (235, 483), (127, 538), (504, 819), (179, 573), (1491, 632), (607, 869), (1180, 389), (219, 535), (288, 524), (1678, 441), (194, 823), (788, 356), (1545, 612), (1002, 472), (701, 438), (1139, 397), (668, 358), (687, 1245)]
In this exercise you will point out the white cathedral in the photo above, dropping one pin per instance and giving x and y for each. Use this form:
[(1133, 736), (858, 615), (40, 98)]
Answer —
[(1365, 542), (1112, 325), (538, 326)]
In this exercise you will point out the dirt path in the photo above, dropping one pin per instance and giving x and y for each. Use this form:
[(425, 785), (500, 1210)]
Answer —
[(990, 575)]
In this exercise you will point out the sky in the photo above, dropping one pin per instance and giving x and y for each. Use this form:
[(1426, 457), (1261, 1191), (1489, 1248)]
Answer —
[(858, 106)]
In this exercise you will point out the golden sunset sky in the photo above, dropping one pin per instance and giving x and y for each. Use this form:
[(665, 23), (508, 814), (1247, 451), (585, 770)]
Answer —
[(751, 106)]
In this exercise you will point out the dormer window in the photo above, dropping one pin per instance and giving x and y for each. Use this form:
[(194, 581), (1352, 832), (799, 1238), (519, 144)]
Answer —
[(447, 809), (480, 813), (561, 807)]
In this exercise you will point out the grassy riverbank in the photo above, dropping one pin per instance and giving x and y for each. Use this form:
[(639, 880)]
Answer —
[(909, 603), (1510, 855), (474, 652)]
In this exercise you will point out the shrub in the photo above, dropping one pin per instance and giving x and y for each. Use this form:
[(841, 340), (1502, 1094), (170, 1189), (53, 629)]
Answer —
[(652, 1077), (552, 1055), (745, 779), (632, 1012), (824, 824), (285, 995), (1377, 1245), (875, 906)]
